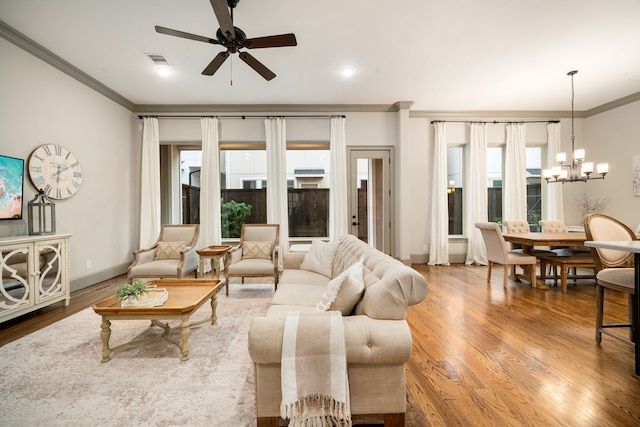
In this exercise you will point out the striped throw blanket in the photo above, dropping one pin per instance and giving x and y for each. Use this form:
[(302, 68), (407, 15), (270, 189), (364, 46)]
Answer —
[(315, 388)]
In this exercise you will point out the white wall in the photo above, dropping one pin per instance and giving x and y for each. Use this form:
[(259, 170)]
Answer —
[(39, 105), (613, 137)]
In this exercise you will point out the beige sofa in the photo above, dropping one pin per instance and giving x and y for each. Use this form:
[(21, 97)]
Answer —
[(378, 339)]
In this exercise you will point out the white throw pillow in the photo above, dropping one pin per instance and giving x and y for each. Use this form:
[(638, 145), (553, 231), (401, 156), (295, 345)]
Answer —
[(319, 259), (343, 292)]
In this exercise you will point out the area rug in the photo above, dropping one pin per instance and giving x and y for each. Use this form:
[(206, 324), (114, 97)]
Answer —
[(54, 377)]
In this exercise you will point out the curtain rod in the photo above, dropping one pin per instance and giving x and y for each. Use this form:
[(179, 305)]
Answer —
[(243, 116), (495, 122)]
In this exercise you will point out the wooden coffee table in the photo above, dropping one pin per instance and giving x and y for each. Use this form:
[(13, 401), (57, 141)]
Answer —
[(185, 297)]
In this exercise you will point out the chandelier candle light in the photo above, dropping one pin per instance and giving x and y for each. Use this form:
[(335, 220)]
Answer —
[(576, 169)]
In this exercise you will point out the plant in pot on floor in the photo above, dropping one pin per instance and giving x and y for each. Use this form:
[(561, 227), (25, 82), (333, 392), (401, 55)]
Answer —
[(131, 292)]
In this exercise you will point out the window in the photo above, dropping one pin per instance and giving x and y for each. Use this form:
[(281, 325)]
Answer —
[(454, 189), (243, 186), (308, 190), (495, 175), (534, 187)]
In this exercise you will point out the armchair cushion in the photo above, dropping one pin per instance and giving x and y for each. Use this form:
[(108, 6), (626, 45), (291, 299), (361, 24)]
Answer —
[(343, 292), (256, 250), (170, 250), (319, 259)]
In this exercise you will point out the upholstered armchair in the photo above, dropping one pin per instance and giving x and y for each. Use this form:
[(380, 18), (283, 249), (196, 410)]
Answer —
[(256, 255), (173, 255)]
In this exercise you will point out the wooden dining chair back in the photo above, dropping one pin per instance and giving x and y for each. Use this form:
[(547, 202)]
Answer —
[(614, 269), (499, 253)]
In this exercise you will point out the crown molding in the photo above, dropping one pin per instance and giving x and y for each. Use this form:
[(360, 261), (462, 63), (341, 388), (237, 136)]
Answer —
[(44, 54), (629, 99)]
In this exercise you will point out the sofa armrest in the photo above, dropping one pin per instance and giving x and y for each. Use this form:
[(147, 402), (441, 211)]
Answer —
[(292, 260), (369, 341)]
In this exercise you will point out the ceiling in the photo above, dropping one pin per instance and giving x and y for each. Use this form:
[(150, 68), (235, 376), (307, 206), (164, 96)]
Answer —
[(445, 55)]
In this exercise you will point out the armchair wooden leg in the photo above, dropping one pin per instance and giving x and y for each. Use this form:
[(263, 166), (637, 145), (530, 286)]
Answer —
[(394, 420), (489, 272)]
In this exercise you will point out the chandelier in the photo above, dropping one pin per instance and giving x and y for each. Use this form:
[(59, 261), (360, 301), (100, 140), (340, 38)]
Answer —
[(576, 169)]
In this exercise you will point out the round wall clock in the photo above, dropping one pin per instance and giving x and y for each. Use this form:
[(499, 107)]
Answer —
[(55, 170)]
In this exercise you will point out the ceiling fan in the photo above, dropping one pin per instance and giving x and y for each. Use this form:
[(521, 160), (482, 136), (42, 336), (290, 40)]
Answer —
[(234, 39)]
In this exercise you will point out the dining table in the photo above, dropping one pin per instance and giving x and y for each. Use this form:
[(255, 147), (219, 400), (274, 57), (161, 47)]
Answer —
[(628, 246), (532, 239)]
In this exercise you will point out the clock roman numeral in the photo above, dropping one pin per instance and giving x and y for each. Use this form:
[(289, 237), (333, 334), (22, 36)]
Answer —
[(35, 169), (38, 180), (47, 150), (58, 193), (75, 184), (58, 150), (38, 157), (47, 189), (73, 165), (77, 174)]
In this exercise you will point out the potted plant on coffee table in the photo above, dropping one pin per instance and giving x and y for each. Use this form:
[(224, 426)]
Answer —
[(129, 293)]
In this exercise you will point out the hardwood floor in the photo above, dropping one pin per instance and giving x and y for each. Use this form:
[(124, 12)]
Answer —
[(486, 357)]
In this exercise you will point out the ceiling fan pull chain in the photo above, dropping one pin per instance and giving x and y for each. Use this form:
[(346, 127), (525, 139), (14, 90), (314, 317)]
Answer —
[(231, 71)]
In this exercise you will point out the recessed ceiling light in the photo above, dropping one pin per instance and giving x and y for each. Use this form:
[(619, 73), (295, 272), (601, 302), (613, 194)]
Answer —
[(347, 72), (164, 70)]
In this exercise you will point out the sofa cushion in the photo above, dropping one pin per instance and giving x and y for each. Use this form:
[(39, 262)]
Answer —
[(252, 266), (295, 294), (320, 257), (256, 250), (170, 250), (344, 291), (303, 276)]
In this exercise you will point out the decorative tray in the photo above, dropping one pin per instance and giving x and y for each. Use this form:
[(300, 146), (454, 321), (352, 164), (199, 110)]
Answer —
[(214, 250), (155, 298)]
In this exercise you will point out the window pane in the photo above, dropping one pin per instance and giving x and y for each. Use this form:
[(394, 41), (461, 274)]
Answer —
[(534, 187), (308, 192), (454, 189), (243, 183), (494, 184)]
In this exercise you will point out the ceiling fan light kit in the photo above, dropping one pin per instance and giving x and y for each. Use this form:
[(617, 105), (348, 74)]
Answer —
[(234, 39)]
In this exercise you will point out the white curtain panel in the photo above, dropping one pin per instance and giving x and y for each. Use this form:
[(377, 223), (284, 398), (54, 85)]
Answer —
[(150, 183), (338, 215), (439, 227), (476, 194), (554, 208), (277, 205), (210, 228), (515, 174)]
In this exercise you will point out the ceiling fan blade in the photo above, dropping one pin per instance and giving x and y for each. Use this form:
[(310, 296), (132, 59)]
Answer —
[(272, 41), (215, 63), (182, 34), (221, 9), (257, 65)]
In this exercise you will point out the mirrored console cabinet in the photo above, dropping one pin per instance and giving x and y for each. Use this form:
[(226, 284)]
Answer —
[(35, 273)]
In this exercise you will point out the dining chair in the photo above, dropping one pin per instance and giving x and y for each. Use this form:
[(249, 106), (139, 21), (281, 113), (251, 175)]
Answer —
[(614, 270), (255, 255), (522, 226), (498, 252), (558, 226)]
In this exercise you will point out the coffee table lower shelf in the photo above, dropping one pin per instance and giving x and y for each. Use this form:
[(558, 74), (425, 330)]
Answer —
[(185, 297)]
